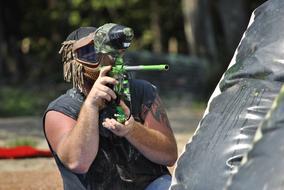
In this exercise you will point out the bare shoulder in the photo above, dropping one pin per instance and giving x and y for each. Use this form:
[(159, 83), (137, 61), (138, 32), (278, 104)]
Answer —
[(56, 126)]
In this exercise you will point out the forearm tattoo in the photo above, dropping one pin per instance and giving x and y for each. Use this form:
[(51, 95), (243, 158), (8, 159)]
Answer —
[(159, 113)]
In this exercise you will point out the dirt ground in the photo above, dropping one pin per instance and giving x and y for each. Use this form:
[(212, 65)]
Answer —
[(42, 174)]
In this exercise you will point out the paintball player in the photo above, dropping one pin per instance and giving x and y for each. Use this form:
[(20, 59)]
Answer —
[(92, 149)]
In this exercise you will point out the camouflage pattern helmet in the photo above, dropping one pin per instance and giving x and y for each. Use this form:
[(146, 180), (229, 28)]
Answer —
[(111, 37)]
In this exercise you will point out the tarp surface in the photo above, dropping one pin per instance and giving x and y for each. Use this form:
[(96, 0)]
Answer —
[(238, 105), (263, 168)]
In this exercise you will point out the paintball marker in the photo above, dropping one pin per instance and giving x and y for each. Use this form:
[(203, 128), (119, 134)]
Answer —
[(119, 72), (111, 39)]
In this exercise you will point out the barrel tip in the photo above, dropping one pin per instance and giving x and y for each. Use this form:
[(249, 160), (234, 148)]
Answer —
[(167, 67)]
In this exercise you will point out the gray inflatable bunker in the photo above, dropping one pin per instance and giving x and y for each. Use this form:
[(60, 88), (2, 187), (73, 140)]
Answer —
[(238, 105), (263, 167)]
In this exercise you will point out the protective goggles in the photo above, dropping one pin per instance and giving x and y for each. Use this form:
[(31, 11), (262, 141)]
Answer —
[(87, 53), (84, 50), (114, 42)]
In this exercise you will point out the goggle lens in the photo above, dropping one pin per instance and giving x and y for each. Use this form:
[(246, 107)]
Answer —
[(87, 53)]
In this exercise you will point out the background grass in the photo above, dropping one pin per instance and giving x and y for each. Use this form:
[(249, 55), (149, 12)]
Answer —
[(26, 101), (21, 141)]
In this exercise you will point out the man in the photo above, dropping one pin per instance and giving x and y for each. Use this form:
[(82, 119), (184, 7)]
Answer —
[(91, 149)]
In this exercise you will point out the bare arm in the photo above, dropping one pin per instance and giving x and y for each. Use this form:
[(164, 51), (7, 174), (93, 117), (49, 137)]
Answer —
[(76, 142), (154, 139)]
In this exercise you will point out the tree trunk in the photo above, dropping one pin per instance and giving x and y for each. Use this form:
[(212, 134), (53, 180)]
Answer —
[(3, 48), (189, 9), (199, 28), (155, 26), (234, 19)]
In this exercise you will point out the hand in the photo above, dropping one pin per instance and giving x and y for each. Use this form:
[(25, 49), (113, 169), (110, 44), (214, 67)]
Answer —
[(100, 92), (117, 128)]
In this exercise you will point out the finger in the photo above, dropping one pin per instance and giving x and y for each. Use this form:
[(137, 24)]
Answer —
[(104, 124), (116, 124), (107, 124), (107, 90), (104, 95), (124, 107), (130, 121), (104, 70), (108, 80)]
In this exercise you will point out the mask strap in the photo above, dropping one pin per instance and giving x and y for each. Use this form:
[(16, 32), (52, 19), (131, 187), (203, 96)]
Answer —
[(83, 41)]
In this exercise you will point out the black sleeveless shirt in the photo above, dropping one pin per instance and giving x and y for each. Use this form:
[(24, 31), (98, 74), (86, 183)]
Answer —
[(118, 165)]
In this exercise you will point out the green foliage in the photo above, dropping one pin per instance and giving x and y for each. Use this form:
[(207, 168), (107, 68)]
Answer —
[(97, 4), (77, 3), (74, 18), (19, 101), (14, 101), (22, 142)]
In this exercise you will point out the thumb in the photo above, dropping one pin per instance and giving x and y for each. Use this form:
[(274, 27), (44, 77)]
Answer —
[(104, 70), (125, 108)]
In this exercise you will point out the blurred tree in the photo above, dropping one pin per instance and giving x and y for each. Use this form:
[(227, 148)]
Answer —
[(31, 31), (213, 30), (189, 8)]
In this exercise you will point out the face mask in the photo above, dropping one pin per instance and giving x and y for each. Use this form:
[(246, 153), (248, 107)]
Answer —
[(83, 58), (85, 54)]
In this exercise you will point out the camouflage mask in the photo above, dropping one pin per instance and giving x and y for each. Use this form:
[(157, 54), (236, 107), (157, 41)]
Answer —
[(111, 38)]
